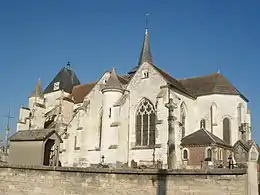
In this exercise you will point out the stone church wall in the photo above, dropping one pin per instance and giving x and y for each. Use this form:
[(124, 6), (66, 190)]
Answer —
[(62, 180)]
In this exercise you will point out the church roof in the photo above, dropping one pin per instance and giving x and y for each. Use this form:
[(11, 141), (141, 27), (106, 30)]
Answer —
[(113, 81), (173, 82), (80, 91), (214, 83), (202, 137), (32, 135), (145, 55), (37, 92), (67, 79)]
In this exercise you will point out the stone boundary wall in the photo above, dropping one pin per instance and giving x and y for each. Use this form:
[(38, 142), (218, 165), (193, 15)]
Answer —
[(34, 180)]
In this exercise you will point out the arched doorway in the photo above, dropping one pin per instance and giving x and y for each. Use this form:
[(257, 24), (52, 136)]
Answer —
[(48, 151)]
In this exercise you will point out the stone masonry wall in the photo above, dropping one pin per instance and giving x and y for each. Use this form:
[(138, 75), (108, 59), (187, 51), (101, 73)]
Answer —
[(78, 181)]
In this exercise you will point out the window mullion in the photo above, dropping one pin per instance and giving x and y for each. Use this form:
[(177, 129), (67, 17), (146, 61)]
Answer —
[(142, 127), (148, 141)]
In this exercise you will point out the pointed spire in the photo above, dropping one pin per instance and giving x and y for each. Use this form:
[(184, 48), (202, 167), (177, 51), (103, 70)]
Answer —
[(146, 54), (38, 92), (113, 82)]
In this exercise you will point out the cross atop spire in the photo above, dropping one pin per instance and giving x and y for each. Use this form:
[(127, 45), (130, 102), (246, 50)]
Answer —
[(146, 21), (38, 92), (146, 54)]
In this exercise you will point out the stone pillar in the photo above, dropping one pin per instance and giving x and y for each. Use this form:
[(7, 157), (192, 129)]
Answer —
[(252, 174), (171, 133)]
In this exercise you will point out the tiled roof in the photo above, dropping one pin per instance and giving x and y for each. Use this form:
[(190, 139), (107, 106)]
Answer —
[(214, 83), (202, 137), (173, 82), (67, 79), (32, 135), (80, 91)]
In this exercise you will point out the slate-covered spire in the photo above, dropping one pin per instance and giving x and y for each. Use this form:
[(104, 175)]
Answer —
[(145, 55), (38, 92), (65, 80), (113, 82)]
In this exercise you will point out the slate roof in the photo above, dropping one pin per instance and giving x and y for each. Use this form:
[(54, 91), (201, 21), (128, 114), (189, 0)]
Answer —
[(203, 137), (37, 92), (113, 81), (67, 79), (32, 135), (145, 55), (124, 79), (214, 83)]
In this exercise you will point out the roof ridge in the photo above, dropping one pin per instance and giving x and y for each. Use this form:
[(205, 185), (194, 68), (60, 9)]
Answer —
[(200, 76), (92, 82), (208, 133), (164, 74)]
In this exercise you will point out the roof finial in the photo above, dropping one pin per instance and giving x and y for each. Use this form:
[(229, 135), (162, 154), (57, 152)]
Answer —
[(218, 71), (68, 65)]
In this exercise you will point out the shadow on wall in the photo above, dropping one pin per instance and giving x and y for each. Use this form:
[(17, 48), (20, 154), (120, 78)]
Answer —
[(161, 179)]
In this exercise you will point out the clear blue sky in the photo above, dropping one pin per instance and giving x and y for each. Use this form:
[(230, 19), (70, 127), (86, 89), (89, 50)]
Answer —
[(188, 38)]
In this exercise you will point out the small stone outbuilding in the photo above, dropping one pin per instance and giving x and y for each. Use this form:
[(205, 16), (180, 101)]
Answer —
[(34, 147), (204, 148)]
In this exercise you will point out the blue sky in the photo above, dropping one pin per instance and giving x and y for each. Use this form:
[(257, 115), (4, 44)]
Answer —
[(188, 38)]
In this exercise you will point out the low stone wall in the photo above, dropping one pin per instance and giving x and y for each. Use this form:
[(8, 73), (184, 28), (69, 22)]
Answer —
[(28, 180)]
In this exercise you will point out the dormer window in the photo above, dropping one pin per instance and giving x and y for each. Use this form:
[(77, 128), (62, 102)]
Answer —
[(145, 74), (56, 86), (104, 81)]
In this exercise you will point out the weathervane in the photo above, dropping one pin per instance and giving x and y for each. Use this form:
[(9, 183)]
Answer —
[(146, 20)]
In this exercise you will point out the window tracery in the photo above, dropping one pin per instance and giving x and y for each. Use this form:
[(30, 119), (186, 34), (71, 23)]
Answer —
[(145, 124)]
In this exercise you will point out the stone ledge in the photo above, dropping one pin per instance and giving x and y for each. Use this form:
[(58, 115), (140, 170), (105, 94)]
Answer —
[(130, 171)]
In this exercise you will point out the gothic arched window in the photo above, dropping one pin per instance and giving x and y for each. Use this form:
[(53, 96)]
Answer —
[(183, 120), (203, 124), (226, 130), (145, 124)]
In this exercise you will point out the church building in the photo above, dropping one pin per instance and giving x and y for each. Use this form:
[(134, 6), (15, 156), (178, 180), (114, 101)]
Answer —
[(145, 117)]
